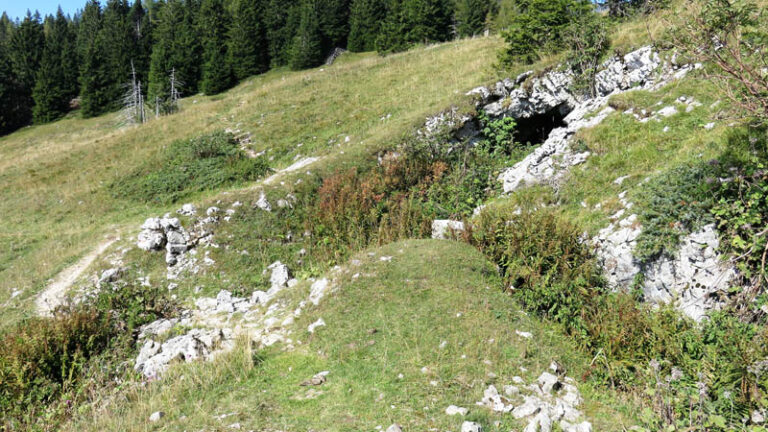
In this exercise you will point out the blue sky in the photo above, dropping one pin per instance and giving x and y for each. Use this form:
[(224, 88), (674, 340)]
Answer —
[(18, 8)]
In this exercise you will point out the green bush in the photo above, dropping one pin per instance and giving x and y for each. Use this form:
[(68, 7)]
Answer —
[(46, 359), (187, 166), (587, 41), (546, 266), (539, 26), (673, 204), (741, 207)]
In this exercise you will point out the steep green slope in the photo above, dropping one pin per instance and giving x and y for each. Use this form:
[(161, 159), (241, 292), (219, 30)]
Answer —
[(405, 338), (54, 194)]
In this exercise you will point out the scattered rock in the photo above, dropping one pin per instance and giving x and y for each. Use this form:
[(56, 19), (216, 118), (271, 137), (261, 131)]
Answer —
[(455, 410), (187, 210), (110, 275), (319, 323), (468, 426), (154, 358), (394, 428), (156, 416), (493, 400), (445, 229), (316, 380), (317, 291), (263, 204), (667, 111), (280, 275), (523, 334), (693, 278)]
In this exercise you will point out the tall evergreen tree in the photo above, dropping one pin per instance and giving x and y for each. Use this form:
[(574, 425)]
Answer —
[(26, 51), (116, 45), (70, 59), (282, 20), (428, 20), (95, 75), (334, 23), (6, 26), (307, 48), (14, 108), (392, 33), (175, 49), (471, 16), (214, 26), (365, 22), (52, 91), (141, 40), (248, 49)]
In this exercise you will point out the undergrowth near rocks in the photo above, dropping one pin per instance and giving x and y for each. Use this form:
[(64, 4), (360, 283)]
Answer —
[(674, 363), (50, 366)]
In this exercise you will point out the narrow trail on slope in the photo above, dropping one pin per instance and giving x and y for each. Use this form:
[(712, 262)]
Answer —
[(55, 293)]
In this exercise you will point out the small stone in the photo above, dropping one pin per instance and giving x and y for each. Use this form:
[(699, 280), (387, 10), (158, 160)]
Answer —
[(187, 210), (312, 327), (156, 416), (709, 126), (468, 426), (394, 428), (758, 417), (523, 334), (548, 382), (455, 410)]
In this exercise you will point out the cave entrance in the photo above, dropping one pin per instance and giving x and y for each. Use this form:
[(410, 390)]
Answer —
[(535, 129)]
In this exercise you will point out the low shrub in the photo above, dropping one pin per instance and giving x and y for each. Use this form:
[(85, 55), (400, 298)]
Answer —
[(673, 204), (45, 361), (741, 207), (697, 377), (545, 265), (203, 163)]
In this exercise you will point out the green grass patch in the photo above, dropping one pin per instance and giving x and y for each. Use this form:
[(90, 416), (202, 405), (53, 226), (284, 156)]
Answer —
[(199, 164), (383, 328)]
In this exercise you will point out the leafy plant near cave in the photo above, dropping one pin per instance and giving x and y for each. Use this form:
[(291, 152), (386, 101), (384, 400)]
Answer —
[(741, 206), (731, 37), (188, 166)]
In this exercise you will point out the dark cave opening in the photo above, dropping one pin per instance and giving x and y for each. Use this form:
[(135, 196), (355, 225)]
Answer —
[(535, 129)]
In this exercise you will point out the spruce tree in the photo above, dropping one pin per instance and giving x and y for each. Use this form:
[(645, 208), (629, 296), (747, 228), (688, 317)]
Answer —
[(281, 20), (471, 16), (95, 73), (333, 18), (248, 49), (116, 47), (392, 34), (70, 60), (52, 91), (427, 20), (214, 26), (26, 52), (6, 26), (13, 109), (307, 48), (365, 22), (175, 49), (141, 40)]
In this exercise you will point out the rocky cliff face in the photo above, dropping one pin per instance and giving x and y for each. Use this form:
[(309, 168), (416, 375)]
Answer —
[(695, 278)]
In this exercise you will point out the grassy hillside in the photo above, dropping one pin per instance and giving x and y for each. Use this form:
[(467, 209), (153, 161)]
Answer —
[(53, 178), (436, 305)]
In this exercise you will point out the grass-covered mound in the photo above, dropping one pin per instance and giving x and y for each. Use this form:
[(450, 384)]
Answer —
[(199, 164), (385, 323)]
